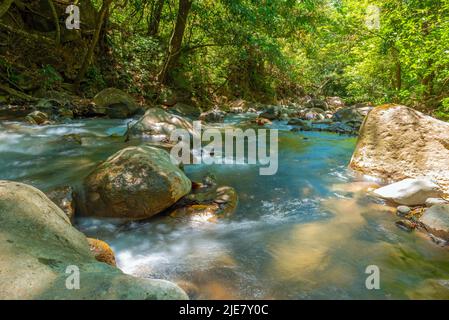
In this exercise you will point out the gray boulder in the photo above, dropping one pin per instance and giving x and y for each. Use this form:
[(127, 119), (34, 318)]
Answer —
[(114, 103), (436, 220), (134, 183), (38, 245)]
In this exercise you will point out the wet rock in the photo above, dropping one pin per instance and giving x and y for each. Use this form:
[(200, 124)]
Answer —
[(37, 118), (406, 225), (433, 201), (271, 113), (64, 199), (102, 251), (72, 138), (317, 103), (341, 128), (302, 125), (210, 202), (213, 116), (397, 142), (14, 112), (262, 121), (403, 211), (409, 192), (335, 102), (186, 110), (114, 103), (436, 220), (38, 244), (348, 115), (313, 114), (134, 183), (157, 125)]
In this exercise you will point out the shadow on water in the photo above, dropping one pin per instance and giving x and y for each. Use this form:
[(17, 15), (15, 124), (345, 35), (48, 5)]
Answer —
[(309, 231)]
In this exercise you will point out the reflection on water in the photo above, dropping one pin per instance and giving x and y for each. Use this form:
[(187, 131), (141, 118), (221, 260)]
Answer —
[(310, 231)]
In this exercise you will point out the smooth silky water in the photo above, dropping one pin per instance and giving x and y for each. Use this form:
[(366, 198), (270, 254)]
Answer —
[(302, 233)]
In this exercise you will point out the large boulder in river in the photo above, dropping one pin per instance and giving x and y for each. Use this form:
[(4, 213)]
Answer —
[(397, 142), (134, 183), (38, 245), (115, 103), (410, 192), (157, 125)]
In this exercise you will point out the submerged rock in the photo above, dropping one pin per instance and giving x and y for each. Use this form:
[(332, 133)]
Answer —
[(397, 142), (410, 192), (114, 103), (38, 245), (37, 118), (134, 183), (436, 220), (403, 211), (209, 202), (406, 225)]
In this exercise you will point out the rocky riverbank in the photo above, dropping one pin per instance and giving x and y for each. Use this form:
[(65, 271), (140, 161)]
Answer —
[(408, 149), (396, 145)]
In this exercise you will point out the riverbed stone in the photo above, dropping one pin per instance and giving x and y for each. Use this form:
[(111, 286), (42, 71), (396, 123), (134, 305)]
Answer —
[(115, 103), (37, 118), (397, 142), (102, 251), (134, 183), (433, 201), (64, 199), (410, 192), (213, 116), (38, 245), (406, 225), (209, 202), (186, 110), (403, 210), (436, 220)]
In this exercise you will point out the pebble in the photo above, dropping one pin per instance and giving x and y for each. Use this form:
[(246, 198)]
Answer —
[(406, 225), (403, 211)]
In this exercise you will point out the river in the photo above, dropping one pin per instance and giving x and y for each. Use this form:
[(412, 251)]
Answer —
[(303, 233)]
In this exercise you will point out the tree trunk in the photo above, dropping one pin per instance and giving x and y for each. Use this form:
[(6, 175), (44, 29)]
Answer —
[(398, 76), (90, 52), (56, 20), (4, 7), (174, 49), (153, 29)]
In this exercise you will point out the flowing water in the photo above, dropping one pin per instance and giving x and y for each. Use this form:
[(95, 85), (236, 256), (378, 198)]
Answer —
[(306, 232)]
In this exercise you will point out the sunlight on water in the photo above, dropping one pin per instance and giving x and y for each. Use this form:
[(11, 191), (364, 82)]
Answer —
[(309, 231)]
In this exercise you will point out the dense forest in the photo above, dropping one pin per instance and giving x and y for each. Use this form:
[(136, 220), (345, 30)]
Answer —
[(211, 52)]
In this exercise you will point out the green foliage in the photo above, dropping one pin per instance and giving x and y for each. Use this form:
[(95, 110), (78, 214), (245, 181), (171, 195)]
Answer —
[(50, 78), (443, 110)]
